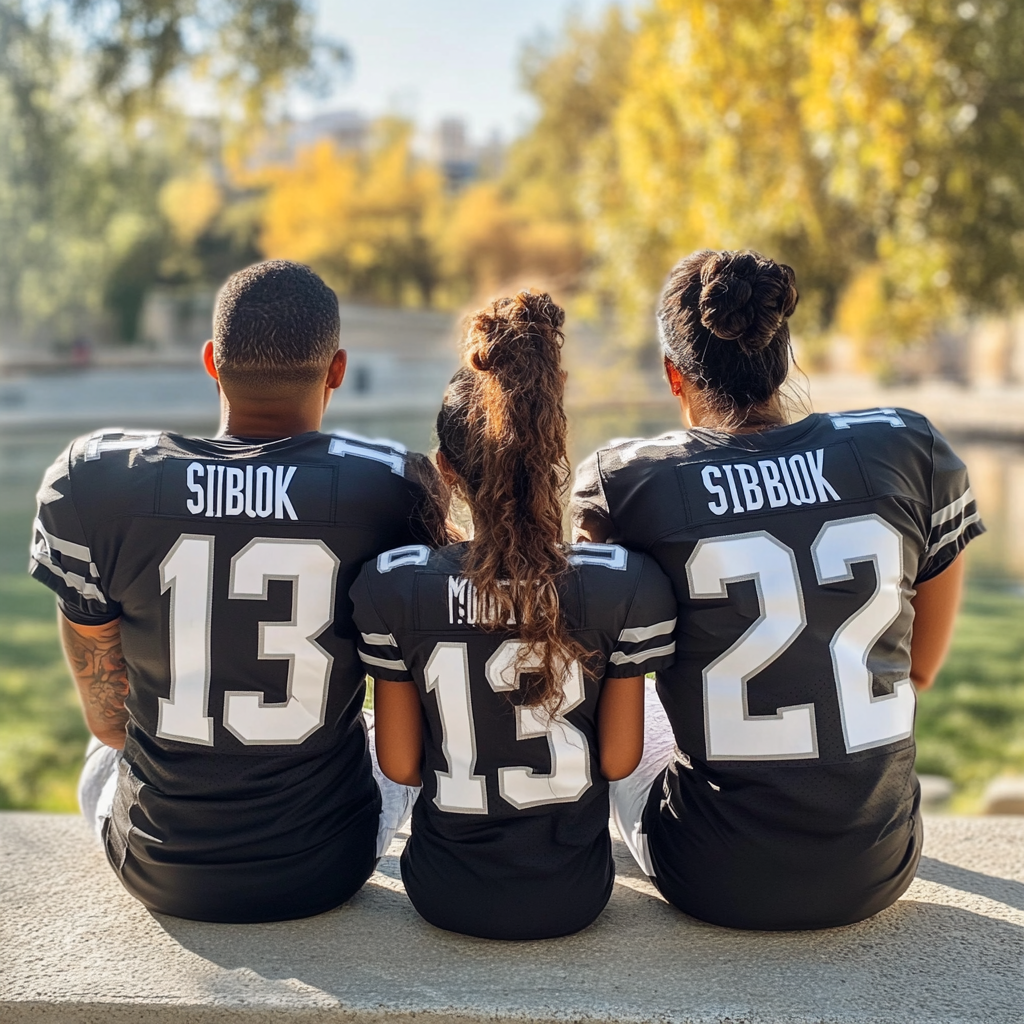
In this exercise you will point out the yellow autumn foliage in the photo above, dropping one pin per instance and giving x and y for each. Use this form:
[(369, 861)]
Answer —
[(855, 139), (382, 226), (189, 205), (875, 145), (790, 126), (364, 220), (491, 242)]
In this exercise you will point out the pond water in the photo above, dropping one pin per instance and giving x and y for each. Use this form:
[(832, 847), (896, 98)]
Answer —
[(997, 475)]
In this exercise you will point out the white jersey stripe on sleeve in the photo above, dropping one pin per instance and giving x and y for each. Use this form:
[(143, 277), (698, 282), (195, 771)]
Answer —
[(392, 663), (379, 639), (637, 658), (953, 509), (638, 633), (66, 547), (952, 535), (72, 579)]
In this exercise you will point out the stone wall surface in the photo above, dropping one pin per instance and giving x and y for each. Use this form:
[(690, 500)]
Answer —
[(76, 949)]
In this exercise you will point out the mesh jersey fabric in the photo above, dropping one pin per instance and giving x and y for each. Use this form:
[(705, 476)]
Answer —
[(245, 791), (510, 833), (794, 554)]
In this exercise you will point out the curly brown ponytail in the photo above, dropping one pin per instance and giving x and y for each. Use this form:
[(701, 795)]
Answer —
[(503, 429)]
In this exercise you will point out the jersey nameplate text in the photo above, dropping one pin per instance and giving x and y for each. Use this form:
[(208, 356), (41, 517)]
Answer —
[(246, 491), (767, 483), (465, 606)]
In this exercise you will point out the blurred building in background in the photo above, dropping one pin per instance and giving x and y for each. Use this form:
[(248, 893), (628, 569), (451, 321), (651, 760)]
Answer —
[(347, 129), (460, 160)]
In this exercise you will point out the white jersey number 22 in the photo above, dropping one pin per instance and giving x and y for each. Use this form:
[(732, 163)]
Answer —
[(731, 732)]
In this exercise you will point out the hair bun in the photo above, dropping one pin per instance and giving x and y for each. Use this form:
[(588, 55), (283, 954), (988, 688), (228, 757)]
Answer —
[(500, 334), (746, 298)]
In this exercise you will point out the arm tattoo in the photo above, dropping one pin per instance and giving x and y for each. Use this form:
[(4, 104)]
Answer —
[(97, 664)]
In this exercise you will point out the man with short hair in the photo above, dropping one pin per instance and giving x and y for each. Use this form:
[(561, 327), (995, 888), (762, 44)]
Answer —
[(202, 586)]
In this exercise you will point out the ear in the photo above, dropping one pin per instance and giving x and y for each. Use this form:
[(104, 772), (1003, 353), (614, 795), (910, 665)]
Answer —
[(336, 371), (208, 362), (683, 391), (675, 378)]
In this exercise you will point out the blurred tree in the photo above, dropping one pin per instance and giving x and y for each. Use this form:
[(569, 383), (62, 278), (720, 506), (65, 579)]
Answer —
[(100, 195), (189, 203), (577, 80), (873, 145), (366, 221), (247, 50), (65, 207), (494, 239), (380, 225)]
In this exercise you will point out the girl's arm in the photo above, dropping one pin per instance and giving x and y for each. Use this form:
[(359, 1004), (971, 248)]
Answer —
[(935, 607), (399, 730), (620, 726)]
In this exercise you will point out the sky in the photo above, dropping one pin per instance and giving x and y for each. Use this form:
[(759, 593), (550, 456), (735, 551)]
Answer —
[(430, 59)]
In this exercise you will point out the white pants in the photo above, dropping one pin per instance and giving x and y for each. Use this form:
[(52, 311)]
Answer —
[(629, 796), (396, 800), (98, 782)]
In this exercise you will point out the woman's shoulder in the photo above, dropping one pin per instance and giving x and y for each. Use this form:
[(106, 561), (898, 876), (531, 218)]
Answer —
[(643, 451), (627, 597), (611, 577), (888, 438), (398, 563), (626, 466)]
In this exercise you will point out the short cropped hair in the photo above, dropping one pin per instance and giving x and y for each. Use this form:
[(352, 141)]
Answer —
[(275, 325)]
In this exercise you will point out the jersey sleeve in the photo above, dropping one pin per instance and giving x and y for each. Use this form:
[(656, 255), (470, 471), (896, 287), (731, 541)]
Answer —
[(588, 506), (378, 648), (955, 520), (646, 642), (60, 555)]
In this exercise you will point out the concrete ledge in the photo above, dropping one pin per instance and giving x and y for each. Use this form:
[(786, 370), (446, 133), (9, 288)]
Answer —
[(75, 949)]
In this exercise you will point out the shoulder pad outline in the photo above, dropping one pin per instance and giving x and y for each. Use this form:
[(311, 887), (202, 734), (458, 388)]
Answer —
[(117, 439), (609, 556), (389, 453), (411, 554)]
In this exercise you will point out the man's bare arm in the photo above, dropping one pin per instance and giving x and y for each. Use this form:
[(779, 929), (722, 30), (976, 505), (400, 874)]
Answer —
[(97, 666)]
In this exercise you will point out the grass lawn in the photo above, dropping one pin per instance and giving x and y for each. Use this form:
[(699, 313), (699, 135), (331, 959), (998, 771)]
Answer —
[(42, 735), (970, 726)]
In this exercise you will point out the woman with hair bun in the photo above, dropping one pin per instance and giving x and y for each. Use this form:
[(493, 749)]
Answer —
[(509, 668), (817, 570)]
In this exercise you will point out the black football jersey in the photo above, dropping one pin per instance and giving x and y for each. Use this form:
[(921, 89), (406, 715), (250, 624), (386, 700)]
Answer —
[(246, 790), (510, 832), (794, 554)]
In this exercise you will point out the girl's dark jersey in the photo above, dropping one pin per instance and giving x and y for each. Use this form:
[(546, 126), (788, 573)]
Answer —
[(510, 832), (794, 554), (245, 792)]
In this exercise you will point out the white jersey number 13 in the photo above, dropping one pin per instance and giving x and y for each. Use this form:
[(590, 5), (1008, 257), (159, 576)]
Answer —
[(187, 572), (460, 789)]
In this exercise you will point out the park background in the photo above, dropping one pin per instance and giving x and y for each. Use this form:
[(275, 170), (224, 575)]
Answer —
[(424, 158)]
